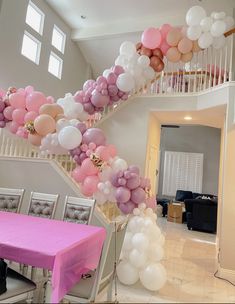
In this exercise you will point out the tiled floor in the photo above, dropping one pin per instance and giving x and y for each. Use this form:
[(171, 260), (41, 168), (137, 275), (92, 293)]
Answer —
[(190, 263)]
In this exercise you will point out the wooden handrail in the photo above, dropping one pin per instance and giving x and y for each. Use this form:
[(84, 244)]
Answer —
[(230, 32)]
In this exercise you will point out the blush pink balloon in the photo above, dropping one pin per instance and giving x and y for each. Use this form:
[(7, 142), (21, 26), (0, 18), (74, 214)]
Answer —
[(90, 184), (30, 116), (164, 47), (138, 195), (88, 168), (85, 191), (173, 37), (103, 153), (128, 207), (8, 112), (185, 45), (50, 99), (29, 90), (173, 54), (13, 126), (111, 78), (112, 150), (18, 116), (17, 100), (151, 38), (78, 175), (35, 100), (164, 29), (151, 202), (122, 194)]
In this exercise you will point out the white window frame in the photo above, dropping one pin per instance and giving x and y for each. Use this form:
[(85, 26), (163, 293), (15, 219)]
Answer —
[(42, 16), (61, 65), (63, 40), (38, 49)]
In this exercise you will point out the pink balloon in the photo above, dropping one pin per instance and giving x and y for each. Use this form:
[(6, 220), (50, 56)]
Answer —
[(29, 89), (99, 100), (101, 80), (133, 182), (78, 175), (164, 47), (35, 100), (8, 112), (17, 100), (122, 194), (151, 202), (111, 78), (85, 191), (13, 126), (103, 153), (90, 184), (88, 168), (138, 195), (164, 29), (18, 116), (117, 69), (128, 207), (30, 116), (185, 45), (151, 38), (50, 99), (112, 150)]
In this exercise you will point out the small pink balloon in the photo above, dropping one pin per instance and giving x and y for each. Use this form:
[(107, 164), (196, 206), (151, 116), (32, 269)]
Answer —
[(8, 112), (18, 116), (103, 153), (90, 184), (13, 126), (17, 100), (117, 69), (92, 146), (164, 47), (138, 195), (85, 191), (34, 101), (88, 168), (164, 29), (30, 116), (78, 175), (151, 202), (151, 38), (127, 208), (50, 99), (29, 89), (112, 150), (111, 78)]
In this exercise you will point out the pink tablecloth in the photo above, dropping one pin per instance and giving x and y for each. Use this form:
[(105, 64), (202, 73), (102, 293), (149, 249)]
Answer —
[(65, 248)]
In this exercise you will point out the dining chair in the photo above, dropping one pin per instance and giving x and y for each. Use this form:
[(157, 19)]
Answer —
[(42, 204), (19, 288), (11, 199), (78, 210), (95, 281)]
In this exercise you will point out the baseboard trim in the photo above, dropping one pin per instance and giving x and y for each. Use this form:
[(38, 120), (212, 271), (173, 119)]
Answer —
[(226, 274)]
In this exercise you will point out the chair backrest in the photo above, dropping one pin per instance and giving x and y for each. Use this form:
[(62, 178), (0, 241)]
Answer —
[(42, 204), (11, 199), (78, 210)]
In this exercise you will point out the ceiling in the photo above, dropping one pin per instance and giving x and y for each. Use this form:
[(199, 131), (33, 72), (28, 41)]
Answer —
[(213, 117), (108, 23)]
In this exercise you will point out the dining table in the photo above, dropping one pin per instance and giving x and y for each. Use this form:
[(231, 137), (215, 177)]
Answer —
[(67, 249)]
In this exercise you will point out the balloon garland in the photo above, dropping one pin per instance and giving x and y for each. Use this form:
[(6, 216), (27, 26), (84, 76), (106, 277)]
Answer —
[(57, 127)]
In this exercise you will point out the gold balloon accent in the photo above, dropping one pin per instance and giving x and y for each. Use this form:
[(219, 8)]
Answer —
[(11, 90), (97, 162), (29, 126)]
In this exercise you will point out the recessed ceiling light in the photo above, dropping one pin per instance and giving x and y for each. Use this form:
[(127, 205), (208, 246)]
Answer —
[(83, 17), (187, 118)]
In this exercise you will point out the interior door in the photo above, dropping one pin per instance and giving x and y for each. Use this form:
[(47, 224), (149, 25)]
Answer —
[(153, 168)]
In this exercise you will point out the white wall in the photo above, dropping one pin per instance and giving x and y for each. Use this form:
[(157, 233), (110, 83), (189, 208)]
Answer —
[(18, 71)]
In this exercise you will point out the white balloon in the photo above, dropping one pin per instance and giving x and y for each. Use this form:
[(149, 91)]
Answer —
[(70, 137), (155, 252), (125, 82), (144, 61), (121, 60), (127, 241), (137, 258), (127, 48), (206, 24), (194, 15), (205, 40), (161, 240), (149, 73), (127, 274), (132, 225), (194, 32), (137, 71), (220, 15), (106, 72), (153, 277), (50, 145), (140, 241), (218, 28), (119, 164), (100, 198), (219, 42), (229, 21), (61, 123)]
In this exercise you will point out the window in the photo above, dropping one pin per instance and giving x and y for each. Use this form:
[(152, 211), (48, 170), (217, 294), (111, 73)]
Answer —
[(55, 65), (31, 47), (35, 17), (58, 39)]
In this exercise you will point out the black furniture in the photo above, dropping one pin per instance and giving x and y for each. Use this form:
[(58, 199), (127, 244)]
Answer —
[(201, 214)]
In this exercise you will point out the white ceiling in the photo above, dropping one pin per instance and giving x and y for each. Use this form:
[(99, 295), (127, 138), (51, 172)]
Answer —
[(108, 22), (213, 117)]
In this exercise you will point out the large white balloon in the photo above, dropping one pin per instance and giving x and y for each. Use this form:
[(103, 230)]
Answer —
[(144, 61), (229, 21), (206, 24), (155, 252), (194, 32), (140, 241), (218, 28), (127, 48), (137, 258), (149, 73), (127, 241), (70, 137), (219, 42), (119, 164), (153, 277), (127, 274), (205, 40), (194, 15), (125, 82)]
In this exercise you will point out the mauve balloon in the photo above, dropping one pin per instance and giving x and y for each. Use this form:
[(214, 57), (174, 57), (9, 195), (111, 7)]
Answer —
[(122, 194), (138, 195), (94, 135)]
